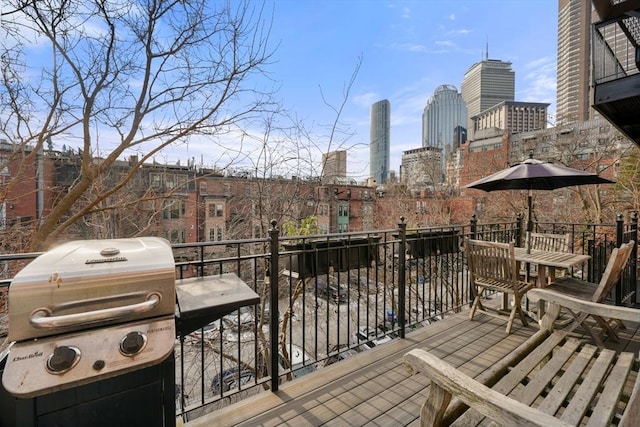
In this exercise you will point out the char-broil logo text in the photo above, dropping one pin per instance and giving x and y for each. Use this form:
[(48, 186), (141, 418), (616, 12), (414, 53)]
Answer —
[(33, 355)]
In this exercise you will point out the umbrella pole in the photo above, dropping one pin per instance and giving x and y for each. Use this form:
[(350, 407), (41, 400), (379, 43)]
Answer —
[(529, 222), (528, 240)]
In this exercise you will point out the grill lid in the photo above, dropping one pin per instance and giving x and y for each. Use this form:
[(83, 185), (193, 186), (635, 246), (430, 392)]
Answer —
[(85, 284)]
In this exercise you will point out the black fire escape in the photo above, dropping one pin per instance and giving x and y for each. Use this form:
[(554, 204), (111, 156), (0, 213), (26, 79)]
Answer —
[(616, 64)]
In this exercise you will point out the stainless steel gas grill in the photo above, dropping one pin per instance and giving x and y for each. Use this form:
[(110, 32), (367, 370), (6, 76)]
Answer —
[(116, 304), (93, 330)]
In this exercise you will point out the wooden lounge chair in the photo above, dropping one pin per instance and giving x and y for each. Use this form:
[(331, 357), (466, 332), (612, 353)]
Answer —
[(596, 292), (492, 266), (550, 380)]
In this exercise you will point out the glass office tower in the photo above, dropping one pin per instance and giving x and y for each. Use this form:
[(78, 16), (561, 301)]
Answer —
[(380, 140)]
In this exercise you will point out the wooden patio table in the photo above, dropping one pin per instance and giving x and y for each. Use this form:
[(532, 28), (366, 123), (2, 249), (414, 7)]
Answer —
[(548, 260)]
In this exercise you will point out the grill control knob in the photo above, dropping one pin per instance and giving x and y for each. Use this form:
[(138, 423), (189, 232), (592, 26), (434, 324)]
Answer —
[(133, 343), (63, 359)]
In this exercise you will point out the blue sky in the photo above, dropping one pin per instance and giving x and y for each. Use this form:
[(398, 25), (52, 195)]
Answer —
[(408, 49)]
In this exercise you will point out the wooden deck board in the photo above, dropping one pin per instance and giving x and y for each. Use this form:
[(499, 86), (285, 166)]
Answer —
[(373, 388)]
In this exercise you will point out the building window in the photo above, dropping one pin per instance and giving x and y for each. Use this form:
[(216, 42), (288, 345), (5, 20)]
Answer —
[(181, 182), (216, 210), (215, 234), (173, 209), (156, 180), (176, 236)]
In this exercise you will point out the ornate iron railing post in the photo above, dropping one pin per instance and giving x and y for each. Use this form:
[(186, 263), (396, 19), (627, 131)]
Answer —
[(518, 236), (274, 317), (402, 280), (473, 230), (474, 226), (633, 279), (618, 290)]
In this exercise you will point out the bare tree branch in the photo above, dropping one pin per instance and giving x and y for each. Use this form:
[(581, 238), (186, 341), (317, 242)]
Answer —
[(139, 76)]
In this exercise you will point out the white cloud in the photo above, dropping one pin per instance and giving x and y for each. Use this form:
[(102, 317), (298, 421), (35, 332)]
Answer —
[(366, 99), (539, 82), (447, 43), (462, 31), (409, 47)]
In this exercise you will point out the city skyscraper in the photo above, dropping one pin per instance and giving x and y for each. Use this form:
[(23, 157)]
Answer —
[(573, 102), (421, 168), (380, 140), (486, 84), (444, 112), (334, 166), (512, 116)]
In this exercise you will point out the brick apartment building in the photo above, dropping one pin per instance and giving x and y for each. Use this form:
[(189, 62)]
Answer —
[(186, 204)]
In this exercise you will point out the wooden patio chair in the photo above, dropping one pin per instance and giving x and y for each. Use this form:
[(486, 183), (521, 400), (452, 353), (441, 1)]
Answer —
[(492, 266), (551, 379), (550, 242), (546, 242), (596, 292)]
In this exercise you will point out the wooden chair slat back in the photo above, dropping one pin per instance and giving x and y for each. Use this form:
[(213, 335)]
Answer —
[(491, 260), (550, 242), (613, 271)]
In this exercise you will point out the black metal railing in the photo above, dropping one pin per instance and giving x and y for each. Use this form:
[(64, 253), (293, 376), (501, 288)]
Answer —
[(326, 297)]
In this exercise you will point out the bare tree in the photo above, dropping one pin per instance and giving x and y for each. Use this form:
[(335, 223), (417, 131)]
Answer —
[(283, 180), (125, 77), (288, 147), (594, 150), (628, 180)]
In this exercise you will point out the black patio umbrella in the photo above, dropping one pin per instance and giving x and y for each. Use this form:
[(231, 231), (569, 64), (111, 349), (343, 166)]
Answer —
[(534, 174)]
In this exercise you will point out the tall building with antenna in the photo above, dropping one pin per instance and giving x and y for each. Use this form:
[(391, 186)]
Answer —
[(485, 84)]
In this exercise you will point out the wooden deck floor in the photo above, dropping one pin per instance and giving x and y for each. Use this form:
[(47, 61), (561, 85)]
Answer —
[(373, 388)]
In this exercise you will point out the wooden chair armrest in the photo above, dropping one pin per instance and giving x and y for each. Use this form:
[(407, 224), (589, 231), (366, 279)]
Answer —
[(501, 409), (594, 308)]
